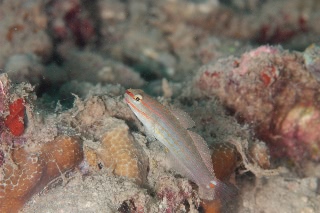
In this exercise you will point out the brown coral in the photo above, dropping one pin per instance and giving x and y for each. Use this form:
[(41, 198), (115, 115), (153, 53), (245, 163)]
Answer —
[(224, 160), (120, 152), (28, 173)]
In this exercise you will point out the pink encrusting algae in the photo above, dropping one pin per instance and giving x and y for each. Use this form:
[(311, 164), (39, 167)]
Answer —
[(187, 149)]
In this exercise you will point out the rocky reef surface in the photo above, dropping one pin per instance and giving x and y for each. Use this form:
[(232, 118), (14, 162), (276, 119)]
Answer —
[(246, 71)]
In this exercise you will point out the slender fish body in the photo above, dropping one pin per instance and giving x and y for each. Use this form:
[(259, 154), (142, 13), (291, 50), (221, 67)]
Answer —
[(188, 150)]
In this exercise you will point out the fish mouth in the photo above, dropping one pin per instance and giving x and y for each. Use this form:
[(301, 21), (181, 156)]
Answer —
[(126, 98), (127, 94)]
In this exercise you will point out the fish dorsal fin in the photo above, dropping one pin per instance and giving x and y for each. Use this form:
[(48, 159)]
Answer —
[(183, 117), (203, 149)]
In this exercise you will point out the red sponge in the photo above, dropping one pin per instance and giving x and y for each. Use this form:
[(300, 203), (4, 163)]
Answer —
[(14, 121)]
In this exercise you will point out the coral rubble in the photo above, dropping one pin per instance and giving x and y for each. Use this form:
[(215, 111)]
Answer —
[(23, 30), (172, 193), (115, 147), (92, 67), (312, 60), (271, 89), (70, 21), (25, 68), (70, 61), (300, 193)]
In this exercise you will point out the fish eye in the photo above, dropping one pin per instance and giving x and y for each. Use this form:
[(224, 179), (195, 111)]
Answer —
[(138, 98)]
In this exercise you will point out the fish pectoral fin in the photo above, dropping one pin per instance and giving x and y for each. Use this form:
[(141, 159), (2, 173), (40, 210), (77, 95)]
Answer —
[(203, 150), (179, 167), (150, 134), (183, 117), (150, 137)]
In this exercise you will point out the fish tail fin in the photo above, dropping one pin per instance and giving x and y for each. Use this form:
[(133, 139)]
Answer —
[(220, 198), (218, 190), (225, 192)]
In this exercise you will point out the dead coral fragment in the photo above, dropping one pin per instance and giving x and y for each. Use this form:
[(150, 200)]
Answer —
[(312, 60), (174, 193), (92, 67), (272, 90), (28, 173), (120, 152), (4, 87)]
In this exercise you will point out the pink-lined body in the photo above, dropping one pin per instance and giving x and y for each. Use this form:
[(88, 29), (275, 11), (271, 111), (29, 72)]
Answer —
[(187, 148)]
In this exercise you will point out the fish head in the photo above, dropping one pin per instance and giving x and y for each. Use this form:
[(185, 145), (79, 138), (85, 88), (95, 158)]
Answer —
[(134, 97), (138, 102)]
